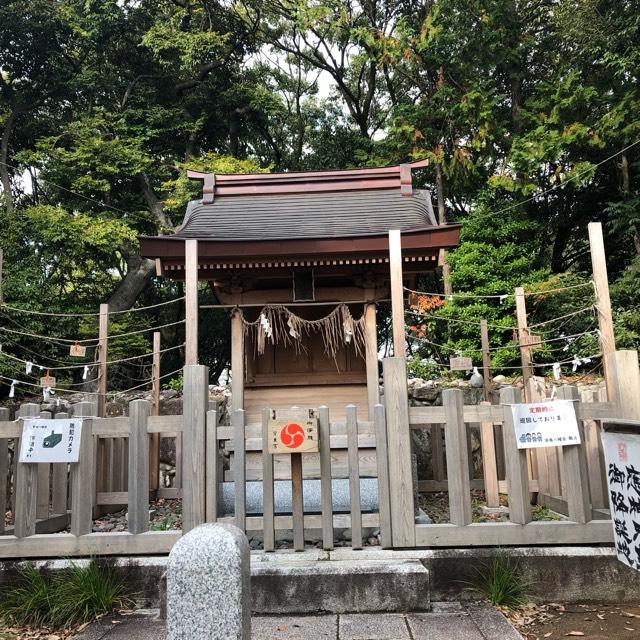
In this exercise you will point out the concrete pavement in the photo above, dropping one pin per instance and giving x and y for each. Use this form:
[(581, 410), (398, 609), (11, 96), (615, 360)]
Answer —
[(447, 621)]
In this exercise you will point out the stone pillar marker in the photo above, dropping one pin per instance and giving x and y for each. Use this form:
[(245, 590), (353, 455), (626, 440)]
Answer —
[(208, 585)]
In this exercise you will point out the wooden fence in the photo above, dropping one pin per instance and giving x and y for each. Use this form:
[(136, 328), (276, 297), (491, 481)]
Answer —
[(61, 497)]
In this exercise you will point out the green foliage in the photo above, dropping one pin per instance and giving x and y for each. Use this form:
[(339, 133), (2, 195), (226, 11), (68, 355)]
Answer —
[(176, 384), (499, 580), (72, 596)]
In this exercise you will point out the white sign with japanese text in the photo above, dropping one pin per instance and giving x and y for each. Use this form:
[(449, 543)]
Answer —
[(622, 460), (50, 440), (545, 424)]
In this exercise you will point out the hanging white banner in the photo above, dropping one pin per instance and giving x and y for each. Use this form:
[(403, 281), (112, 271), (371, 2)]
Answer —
[(545, 424), (622, 460), (50, 440)]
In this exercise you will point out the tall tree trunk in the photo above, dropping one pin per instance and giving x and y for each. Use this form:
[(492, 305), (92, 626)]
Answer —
[(139, 271), (5, 179)]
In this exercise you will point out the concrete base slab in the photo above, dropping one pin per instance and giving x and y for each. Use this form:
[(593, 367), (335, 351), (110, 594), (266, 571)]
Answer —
[(363, 626), (449, 621), (294, 628), (340, 587)]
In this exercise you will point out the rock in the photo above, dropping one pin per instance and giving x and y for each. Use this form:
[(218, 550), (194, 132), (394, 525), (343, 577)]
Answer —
[(208, 585), (167, 394), (500, 379)]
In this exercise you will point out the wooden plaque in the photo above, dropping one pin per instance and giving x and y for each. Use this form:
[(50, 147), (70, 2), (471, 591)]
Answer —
[(293, 432), (78, 350), (460, 364), (47, 381)]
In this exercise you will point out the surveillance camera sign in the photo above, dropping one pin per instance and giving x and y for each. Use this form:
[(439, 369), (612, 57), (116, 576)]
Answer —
[(45, 440)]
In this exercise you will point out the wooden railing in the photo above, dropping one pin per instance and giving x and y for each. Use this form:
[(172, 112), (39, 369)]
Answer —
[(64, 498), (576, 460)]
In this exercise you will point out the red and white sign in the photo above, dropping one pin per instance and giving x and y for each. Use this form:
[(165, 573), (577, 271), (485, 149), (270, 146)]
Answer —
[(293, 433)]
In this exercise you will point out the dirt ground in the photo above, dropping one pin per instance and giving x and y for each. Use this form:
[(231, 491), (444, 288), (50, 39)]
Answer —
[(589, 621)]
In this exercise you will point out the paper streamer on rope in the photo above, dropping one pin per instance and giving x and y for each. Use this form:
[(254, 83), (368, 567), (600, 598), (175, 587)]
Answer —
[(557, 371), (281, 326), (12, 391), (28, 366), (85, 373)]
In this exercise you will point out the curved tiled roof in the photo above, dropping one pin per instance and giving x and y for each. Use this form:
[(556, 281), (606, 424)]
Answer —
[(282, 216)]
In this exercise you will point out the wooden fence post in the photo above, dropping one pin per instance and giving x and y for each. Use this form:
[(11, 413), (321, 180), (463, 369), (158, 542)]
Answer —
[(26, 483), (195, 404), (239, 468), (44, 477), (268, 508), (457, 451), (354, 476), (138, 492), (595, 466), (399, 446), (489, 464), (213, 466), (154, 448), (4, 468), (397, 294), (525, 352), (103, 355), (382, 460), (622, 367), (603, 301), (326, 486), (576, 479), (486, 359), (60, 481), (191, 301), (82, 479), (516, 466)]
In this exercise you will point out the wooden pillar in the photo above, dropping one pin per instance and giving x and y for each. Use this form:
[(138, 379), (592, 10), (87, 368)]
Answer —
[(154, 442), (525, 352), (138, 490), (191, 301), (397, 294), (103, 354), (486, 359), (625, 379), (196, 401), (1, 261), (399, 447), (237, 361), (603, 301), (371, 349)]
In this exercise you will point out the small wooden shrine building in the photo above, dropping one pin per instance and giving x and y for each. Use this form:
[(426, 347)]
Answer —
[(302, 258)]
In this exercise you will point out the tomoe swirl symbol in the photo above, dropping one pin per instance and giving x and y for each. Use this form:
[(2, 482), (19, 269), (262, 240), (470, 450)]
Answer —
[(292, 435)]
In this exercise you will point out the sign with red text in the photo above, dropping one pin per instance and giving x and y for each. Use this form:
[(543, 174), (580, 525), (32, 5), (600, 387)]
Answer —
[(545, 424), (293, 432)]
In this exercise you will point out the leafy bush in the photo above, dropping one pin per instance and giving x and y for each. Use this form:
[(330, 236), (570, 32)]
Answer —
[(73, 596), (500, 582)]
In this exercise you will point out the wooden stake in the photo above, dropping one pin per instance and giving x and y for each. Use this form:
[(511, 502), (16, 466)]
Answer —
[(237, 361), (603, 301), (371, 348), (154, 443), (103, 353), (525, 352), (191, 301), (397, 295), (1, 260), (486, 359)]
